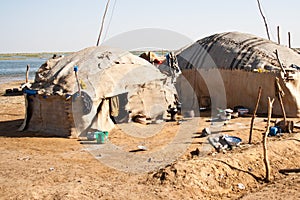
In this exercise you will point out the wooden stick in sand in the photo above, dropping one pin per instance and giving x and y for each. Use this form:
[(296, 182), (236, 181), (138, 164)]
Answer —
[(254, 114), (278, 34), (266, 159), (27, 73), (289, 39)]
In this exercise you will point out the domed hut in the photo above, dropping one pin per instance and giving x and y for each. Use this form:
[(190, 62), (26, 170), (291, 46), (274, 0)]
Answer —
[(92, 90), (227, 69)]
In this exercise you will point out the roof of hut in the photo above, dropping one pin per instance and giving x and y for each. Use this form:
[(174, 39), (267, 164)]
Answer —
[(235, 50), (103, 71)]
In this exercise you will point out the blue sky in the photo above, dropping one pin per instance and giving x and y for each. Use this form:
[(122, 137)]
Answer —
[(71, 25)]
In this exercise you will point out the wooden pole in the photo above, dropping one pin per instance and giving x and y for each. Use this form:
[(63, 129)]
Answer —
[(264, 18), (265, 149), (102, 23), (289, 38), (280, 94), (27, 73), (254, 114), (280, 64), (284, 171), (278, 34), (77, 79)]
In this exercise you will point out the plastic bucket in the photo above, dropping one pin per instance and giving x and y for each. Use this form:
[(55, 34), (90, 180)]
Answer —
[(101, 136)]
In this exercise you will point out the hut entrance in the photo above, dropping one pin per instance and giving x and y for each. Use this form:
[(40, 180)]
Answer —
[(122, 116)]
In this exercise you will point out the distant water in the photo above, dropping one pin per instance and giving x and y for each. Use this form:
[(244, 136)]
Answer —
[(15, 70)]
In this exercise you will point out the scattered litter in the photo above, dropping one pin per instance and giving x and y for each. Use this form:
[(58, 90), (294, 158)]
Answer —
[(234, 115), (195, 153), (90, 136), (202, 109), (141, 119), (205, 132), (13, 92), (24, 158), (228, 110), (225, 114), (172, 113), (241, 110), (273, 131), (179, 122), (143, 148), (223, 142), (101, 136), (51, 168), (285, 126), (233, 140), (140, 148), (241, 186), (158, 121)]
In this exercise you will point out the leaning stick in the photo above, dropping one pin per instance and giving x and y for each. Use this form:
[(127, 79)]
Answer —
[(27, 73), (77, 80), (280, 94), (102, 23), (280, 64), (266, 159), (264, 18), (254, 114)]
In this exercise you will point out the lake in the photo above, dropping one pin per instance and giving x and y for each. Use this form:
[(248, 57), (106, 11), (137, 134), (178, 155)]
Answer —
[(15, 70)]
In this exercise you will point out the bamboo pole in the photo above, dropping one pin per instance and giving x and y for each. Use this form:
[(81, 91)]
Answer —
[(265, 149), (264, 18), (102, 23), (27, 73), (254, 114), (278, 34)]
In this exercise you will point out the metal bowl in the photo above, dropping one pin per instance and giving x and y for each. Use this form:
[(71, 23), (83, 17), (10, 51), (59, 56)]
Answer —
[(233, 140)]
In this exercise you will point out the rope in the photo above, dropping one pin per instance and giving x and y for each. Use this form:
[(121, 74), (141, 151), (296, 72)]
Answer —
[(112, 13)]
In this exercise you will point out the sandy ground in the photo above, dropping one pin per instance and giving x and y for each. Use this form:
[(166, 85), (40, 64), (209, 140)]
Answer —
[(59, 168)]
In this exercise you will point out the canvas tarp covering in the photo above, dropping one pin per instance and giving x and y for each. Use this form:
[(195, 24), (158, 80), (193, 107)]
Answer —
[(222, 66), (240, 89), (103, 73)]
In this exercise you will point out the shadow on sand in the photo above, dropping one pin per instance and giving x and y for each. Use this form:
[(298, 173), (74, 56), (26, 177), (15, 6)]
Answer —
[(10, 129)]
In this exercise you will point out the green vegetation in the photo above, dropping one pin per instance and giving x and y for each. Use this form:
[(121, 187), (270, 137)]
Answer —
[(47, 55), (21, 56)]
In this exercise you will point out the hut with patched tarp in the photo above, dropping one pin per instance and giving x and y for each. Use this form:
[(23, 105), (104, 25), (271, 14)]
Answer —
[(226, 70), (92, 90)]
